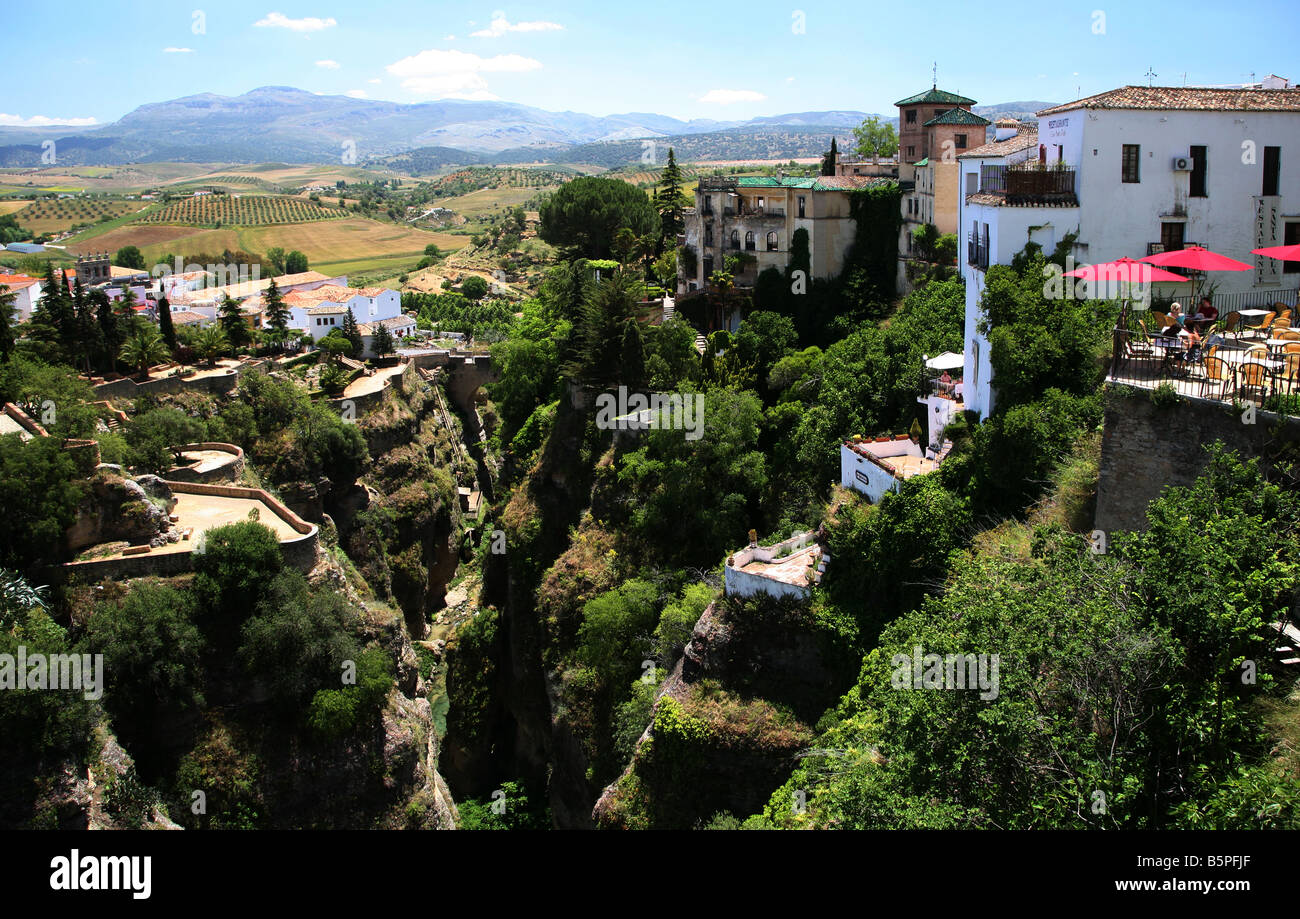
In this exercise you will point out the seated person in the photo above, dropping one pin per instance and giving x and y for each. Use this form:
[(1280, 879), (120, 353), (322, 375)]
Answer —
[(945, 382), (1176, 315), (1207, 310)]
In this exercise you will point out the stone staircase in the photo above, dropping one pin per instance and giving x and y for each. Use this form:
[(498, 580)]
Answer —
[(1288, 646)]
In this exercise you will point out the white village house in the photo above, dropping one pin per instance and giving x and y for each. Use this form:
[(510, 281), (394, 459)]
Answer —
[(1136, 171)]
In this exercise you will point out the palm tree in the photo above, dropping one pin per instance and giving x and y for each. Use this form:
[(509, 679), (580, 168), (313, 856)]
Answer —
[(144, 348), (210, 343)]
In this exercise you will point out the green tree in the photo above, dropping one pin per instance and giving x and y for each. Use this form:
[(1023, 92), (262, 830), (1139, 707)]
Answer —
[(295, 263), (144, 349), (129, 257), (156, 436), (830, 159), (876, 138), (672, 202), (41, 489), (383, 344), (583, 216), (210, 342), (275, 258), (474, 287), (234, 566), (233, 323), (166, 328), (277, 313), (8, 320)]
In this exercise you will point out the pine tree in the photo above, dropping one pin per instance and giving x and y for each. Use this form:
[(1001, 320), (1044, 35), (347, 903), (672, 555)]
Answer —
[(277, 313), (165, 326), (233, 324), (671, 202), (382, 342), (90, 337), (632, 355), (352, 333), (112, 333)]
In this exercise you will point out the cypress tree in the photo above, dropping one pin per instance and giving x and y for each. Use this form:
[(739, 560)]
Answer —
[(352, 333), (165, 326)]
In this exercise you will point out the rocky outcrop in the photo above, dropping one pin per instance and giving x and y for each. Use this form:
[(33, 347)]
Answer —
[(119, 509)]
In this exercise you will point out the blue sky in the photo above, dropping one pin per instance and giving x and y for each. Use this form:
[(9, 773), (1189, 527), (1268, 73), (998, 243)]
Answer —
[(686, 59)]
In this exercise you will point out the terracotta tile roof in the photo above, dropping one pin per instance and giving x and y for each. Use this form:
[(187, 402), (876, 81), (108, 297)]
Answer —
[(935, 94), (1187, 98), (334, 294), (16, 282), (1003, 147), (958, 116), (326, 310), (185, 317)]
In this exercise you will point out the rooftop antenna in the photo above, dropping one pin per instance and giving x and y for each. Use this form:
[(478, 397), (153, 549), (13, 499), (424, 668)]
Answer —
[(1184, 77), (1150, 75), (934, 74)]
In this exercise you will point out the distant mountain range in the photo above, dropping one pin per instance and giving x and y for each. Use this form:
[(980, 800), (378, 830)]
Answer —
[(283, 124)]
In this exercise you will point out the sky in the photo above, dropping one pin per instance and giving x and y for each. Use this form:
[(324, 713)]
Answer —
[(91, 63)]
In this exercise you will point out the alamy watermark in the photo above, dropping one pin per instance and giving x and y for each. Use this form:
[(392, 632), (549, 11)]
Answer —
[(656, 411), (951, 671), (53, 671)]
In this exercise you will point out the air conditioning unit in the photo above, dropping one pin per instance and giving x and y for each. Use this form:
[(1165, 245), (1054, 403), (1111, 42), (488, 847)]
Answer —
[(1182, 164)]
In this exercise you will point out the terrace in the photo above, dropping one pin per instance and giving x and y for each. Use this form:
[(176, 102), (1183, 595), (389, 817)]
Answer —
[(1030, 183), (1247, 356), (787, 569)]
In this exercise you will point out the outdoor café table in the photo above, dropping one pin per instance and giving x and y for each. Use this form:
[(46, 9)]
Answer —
[(1252, 316), (1277, 344), (1237, 357)]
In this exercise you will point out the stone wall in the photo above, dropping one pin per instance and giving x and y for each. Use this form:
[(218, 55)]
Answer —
[(217, 384), (1147, 447), (298, 553)]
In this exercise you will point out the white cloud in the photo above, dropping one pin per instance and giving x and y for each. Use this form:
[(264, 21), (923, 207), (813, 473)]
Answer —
[(456, 74), (178, 50), (306, 24), (789, 79), (356, 93), (328, 65), (376, 81), (450, 38), (500, 26), (40, 121), (731, 96)]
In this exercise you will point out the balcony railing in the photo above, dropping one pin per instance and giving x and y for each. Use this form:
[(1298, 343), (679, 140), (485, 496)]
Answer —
[(977, 256), (755, 213), (1030, 183)]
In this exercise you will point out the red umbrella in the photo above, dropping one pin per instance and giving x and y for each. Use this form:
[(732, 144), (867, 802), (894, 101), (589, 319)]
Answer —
[(1281, 253), (1124, 269), (1196, 258)]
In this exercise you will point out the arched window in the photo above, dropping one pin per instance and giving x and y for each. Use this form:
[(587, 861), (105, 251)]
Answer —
[(735, 239), (750, 241), (771, 241)]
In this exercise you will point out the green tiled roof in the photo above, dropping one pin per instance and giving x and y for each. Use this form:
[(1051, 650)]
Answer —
[(770, 182), (924, 162), (958, 116), (935, 95), (817, 183)]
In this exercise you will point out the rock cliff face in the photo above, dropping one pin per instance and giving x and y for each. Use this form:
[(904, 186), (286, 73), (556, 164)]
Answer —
[(728, 721)]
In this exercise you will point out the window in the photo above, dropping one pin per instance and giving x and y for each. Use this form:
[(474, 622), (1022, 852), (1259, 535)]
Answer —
[(1290, 237), (802, 199), (1272, 172), (708, 204), (959, 140), (750, 241), (972, 183), (911, 152), (708, 235), (1129, 171), (1198, 173), (911, 116), (708, 267), (735, 239), (771, 241), (1171, 236)]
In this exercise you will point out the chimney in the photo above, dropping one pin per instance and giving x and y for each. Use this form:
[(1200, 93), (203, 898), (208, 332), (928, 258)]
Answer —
[(1005, 129)]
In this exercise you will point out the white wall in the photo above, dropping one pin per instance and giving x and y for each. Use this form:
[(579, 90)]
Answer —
[(854, 468)]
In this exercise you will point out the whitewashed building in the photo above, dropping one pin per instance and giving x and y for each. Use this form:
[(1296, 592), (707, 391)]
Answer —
[(1136, 171), (875, 467), (368, 304), (790, 568)]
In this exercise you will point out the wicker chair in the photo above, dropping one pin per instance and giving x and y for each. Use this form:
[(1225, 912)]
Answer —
[(1218, 376), (1252, 376), (1230, 323)]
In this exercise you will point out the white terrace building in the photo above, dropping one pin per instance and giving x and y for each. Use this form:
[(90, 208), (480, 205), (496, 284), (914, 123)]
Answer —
[(1135, 171), (321, 310)]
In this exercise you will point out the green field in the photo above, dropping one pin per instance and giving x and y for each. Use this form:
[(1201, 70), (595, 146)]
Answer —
[(246, 210)]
